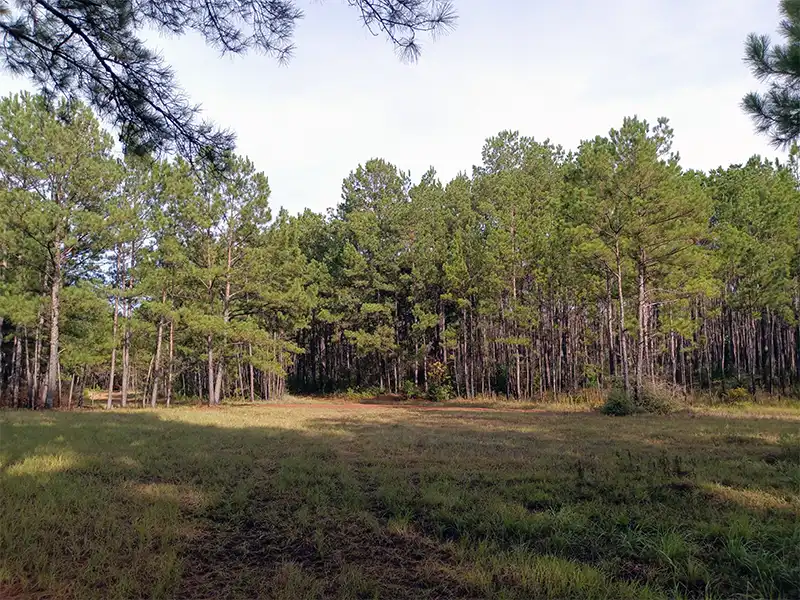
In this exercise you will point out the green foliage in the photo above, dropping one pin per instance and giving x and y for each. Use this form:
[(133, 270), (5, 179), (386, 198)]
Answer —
[(410, 390), (95, 50), (439, 386), (540, 274), (774, 111), (57, 178), (619, 403), (735, 395), (652, 399), (657, 398)]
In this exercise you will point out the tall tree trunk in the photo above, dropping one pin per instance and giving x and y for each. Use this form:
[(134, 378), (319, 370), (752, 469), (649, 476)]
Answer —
[(754, 346), (59, 384), (217, 393), (210, 350), (218, 382), (171, 373), (114, 330), (622, 343), (240, 373), (32, 370), (251, 373), (52, 382), (126, 356), (128, 333), (465, 355), (16, 369), (2, 369), (81, 387), (641, 337), (612, 359), (157, 358), (71, 389)]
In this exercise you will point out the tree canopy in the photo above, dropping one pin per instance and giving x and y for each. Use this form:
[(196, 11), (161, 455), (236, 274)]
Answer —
[(776, 111), (543, 271), (95, 51)]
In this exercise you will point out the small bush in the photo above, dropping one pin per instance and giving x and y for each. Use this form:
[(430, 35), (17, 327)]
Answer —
[(364, 393), (440, 392), (736, 395), (657, 399), (439, 388), (410, 390), (618, 404), (653, 399)]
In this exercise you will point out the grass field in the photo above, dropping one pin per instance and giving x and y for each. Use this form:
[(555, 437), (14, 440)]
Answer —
[(348, 502)]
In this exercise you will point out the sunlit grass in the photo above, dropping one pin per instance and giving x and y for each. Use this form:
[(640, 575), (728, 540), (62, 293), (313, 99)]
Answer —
[(323, 501)]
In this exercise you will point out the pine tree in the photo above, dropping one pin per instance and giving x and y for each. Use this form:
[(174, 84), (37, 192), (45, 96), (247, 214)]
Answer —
[(95, 51), (775, 112), (58, 177)]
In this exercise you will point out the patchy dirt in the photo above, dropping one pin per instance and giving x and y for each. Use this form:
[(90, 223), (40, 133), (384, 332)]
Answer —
[(246, 561)]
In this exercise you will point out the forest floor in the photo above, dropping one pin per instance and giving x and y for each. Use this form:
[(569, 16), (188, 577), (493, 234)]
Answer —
[(336, 499)]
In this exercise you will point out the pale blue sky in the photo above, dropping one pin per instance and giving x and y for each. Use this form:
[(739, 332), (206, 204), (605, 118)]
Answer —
[(565, 70)]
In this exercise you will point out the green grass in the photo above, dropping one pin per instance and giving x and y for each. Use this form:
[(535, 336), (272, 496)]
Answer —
[(320, 501)]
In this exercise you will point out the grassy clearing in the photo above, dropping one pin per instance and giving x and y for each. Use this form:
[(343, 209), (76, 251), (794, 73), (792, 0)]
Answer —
[(343, 502)]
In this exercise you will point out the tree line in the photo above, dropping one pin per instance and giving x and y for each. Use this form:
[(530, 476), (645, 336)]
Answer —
[(542, 271)]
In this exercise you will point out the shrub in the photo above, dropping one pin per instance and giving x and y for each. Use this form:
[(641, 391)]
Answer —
[(657, 399), (439, 388), (618, 404), (736, 395), (440, 392), (653, 398), (410, 390), (364, 393)]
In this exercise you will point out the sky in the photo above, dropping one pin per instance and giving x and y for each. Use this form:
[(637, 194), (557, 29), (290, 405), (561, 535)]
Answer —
[(564, 70)]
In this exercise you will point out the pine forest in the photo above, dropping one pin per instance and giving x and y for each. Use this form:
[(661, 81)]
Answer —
[(541, 272)]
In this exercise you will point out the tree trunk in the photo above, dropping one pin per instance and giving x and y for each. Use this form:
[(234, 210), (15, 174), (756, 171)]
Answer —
[(1, 361), (16, 368), (114, 330), (147, 381), (210, 349), (465, 354), (622, 343), (240, 372), (127, 283), (157, 360), (126, 357), (171, 372), (71, 389), (32, 371), (81, 386), (251, 373), (641, 341), (218, 383), (751, 351), (52, 382), (612, 360), (59, 384)]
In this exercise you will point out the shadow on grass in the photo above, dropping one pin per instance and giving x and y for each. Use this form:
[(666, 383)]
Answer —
[(402, 505)]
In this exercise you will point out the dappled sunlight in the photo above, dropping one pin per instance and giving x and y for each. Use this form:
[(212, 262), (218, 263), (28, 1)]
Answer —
[(186, 496), (755, 499), (334, 502), (42, 465), (750, 411)]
